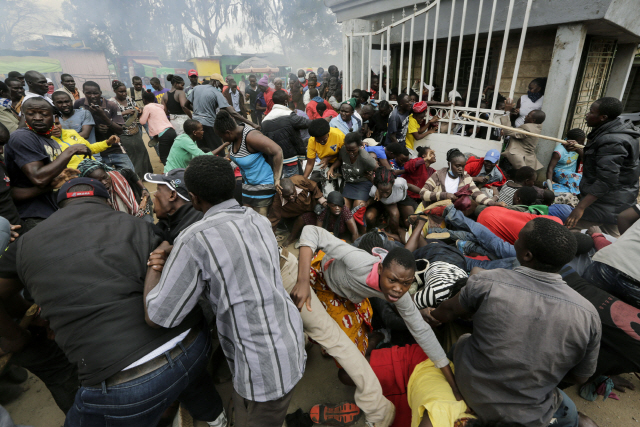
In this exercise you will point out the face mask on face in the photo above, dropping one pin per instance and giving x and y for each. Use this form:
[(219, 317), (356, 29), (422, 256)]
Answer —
[(534, 96), (302, 79)]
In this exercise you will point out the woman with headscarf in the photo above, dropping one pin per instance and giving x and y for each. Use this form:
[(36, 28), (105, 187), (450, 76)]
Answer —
[(335, 218), (533, 100), (175, 103), (347, 122), (120, 185), (131, 138)]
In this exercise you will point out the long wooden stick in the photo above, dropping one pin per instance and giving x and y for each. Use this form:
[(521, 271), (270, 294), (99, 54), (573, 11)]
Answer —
[(524, 132)]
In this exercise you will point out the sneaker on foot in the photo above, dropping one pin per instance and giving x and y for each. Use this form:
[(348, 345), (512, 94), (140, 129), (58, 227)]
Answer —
[(221, 421), (343, 414), (460, 244), (439, 236)]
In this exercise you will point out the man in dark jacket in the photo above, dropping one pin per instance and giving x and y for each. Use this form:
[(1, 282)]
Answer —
[(172, 205), (283, 126), (611, 168), (89, 281)]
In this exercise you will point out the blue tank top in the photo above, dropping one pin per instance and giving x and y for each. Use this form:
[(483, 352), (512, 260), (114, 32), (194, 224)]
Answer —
[(253, 166)]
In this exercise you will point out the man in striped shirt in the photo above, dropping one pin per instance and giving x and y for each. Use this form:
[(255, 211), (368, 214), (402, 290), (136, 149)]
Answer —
[(231, 258)]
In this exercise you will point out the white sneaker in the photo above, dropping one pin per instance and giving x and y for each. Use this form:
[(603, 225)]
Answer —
[(221, 421)]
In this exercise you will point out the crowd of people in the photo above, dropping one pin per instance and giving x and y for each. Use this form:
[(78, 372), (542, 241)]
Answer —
[(404, 272)]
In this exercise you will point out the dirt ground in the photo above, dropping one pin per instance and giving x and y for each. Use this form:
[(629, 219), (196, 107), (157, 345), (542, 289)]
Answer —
[(320, 384)]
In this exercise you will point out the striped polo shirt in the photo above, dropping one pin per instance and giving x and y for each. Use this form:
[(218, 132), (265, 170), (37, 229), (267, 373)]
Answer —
[(231, 258)]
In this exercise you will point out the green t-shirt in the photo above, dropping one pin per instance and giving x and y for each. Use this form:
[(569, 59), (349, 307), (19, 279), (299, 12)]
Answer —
[(182, 151)]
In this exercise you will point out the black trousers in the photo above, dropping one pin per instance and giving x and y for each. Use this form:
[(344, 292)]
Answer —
[(211, 141), (164, 144)]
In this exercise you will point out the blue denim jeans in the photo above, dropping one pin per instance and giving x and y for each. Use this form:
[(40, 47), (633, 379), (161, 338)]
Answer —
[(289, 171), (615, 282), (118, 161), (567, 413), (5, 233), (482, 234), (506, 263), (141, 402)]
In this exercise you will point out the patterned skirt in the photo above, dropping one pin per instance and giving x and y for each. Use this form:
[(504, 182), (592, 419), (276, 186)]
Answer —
[(353, 319)]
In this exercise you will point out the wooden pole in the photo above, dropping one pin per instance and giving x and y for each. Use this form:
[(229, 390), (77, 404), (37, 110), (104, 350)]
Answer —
[(524, 132)]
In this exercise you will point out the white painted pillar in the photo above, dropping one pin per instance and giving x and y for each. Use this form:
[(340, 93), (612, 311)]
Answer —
[(620, 69), (562, 77)]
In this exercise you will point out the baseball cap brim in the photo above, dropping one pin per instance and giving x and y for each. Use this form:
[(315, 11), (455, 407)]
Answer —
[(155, 178)]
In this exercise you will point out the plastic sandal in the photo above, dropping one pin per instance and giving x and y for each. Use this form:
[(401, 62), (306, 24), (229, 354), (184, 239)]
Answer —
[(342, 414)]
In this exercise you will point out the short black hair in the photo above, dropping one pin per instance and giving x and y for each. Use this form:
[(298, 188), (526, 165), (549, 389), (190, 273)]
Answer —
[(353, 137), (584, 243), (576, 134), (383, 176), (136, 79), (210, 178), (287, 184), (422, 150), (383, 105), (321, 107), (148, 96), (370, 240), (551, 244), (395, 148), (252, 75), (61, 93), (62, 76), (14, 74), (90, 83), (610, 107), (402, 96), (454, 153), (318, 128), (538, 116), (542, 82), (527, 195), (401, 256), (4, 87), (524, 173), (4, 135), (9, 80), (154, 79), (280, 97), (548, 197), (224, 122), (190, 126), (313, 92)]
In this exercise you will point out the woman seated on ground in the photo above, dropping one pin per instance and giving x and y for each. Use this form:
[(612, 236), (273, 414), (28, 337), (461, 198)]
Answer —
[(446, 182), (417, 171), (563, 170), (124, 186), (389, 194), (356, 166), (335, 218)]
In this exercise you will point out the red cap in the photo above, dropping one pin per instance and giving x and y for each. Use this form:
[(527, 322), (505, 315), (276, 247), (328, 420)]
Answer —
[(192, 73), (419, 107)]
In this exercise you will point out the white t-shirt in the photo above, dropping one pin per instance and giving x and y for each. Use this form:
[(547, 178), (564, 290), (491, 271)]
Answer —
[(398, 192), (451, 184)]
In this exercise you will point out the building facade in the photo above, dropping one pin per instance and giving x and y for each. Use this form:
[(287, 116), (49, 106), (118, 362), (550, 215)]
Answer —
[(585, 49)]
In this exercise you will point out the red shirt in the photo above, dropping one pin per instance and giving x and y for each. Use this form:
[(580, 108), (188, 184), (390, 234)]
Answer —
[(506, 223), (329, 112), (416, 173), (268, 95), (313, 113)]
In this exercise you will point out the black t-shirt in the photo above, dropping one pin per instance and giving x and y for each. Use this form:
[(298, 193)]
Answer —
[(113, 112), (620, 343), (253, 95), (379, 126), (25, 147), (85, 267), (7, 207)]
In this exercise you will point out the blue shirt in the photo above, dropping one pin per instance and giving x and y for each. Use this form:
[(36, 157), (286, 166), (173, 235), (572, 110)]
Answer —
[(379, 150), (80, 118)]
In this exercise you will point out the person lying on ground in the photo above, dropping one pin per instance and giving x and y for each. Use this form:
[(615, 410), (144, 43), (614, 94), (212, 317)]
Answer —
[(523, 177), (299, 196), (494, 364), (356, 275), (336, 218), (385, 154)]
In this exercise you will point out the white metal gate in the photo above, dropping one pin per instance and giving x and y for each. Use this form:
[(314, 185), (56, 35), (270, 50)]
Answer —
[(383, 37)]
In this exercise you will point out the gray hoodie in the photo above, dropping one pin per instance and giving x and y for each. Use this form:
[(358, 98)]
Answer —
[(347, 274)]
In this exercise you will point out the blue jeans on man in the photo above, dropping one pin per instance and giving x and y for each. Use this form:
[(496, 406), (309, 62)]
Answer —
[(141, 401), (118, 161), (615, 282), (289, 171), (567, 413)]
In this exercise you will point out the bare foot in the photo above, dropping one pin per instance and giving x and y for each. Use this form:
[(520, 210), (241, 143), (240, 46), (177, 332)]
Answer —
[(586, 421)]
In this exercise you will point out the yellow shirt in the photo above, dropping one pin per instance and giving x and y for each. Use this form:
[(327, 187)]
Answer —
[(412, 127), (330, 148), (70, 137), (429, 390)]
